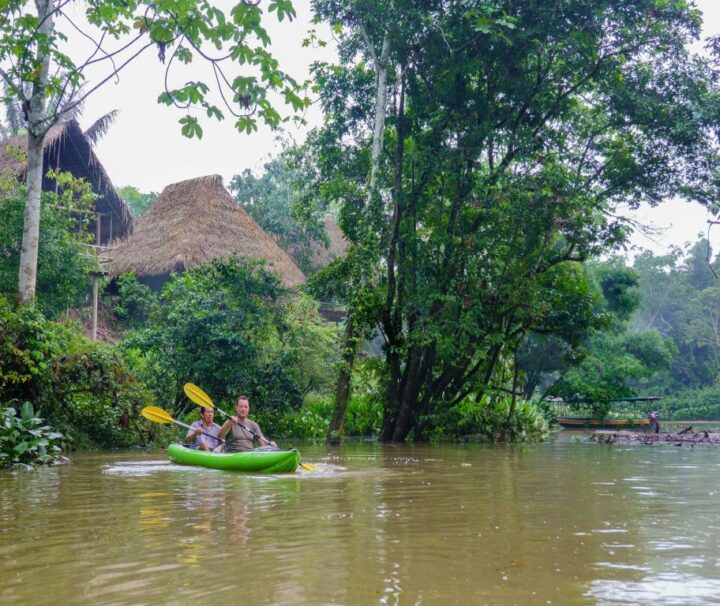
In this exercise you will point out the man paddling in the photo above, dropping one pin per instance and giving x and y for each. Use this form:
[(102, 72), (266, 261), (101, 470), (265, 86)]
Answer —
[(240, 432), (197, 436)]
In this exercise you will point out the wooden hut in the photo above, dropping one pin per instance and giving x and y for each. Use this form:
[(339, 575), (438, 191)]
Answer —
[(191, 223), (67, 149)]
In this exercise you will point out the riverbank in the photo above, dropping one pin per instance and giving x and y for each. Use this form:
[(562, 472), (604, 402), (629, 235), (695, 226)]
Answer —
[(685, 436)]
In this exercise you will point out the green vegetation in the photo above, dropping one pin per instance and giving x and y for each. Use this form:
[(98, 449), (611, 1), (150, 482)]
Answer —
[(137, 201), (82, 388), (477, 155), (614, 361), (277, 202), (679, 294), (701, 403), (515, 132), (230, 327), (64, 258), (133, 302), (25, 440)]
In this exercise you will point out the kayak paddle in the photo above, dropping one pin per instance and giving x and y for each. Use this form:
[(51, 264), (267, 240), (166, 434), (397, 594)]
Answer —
[(158, 415), (197, 395)]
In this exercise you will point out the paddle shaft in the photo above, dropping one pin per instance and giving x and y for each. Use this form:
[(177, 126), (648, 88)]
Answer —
[(245, 427), (201, 431)]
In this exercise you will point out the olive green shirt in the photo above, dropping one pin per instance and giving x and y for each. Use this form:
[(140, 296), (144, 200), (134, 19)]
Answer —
[(239, 439)]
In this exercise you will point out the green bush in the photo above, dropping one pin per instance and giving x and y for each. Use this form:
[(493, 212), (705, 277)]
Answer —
[(134, 300), (691, 404), (364, 415), (63, 259), (231, 328), (310, 421), (489, 420), (363, 418), (25, 440), (82, 387)]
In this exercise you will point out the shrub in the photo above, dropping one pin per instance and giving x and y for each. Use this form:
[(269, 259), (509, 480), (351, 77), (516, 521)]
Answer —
[(310, 421), (363, 418), (25, 440), (82, 387), (230, 328), (691, 404), (134, 300), (63, 260), (489, 420)]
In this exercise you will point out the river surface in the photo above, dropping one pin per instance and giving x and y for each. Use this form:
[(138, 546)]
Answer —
[(559, 523)]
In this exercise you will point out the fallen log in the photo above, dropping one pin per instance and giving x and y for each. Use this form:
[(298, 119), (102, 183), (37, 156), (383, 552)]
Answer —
[(686, 436)]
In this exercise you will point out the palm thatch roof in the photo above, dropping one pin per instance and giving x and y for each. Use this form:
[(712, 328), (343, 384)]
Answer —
[(194, 222), (313, 254), (322, 256), (67, 148)]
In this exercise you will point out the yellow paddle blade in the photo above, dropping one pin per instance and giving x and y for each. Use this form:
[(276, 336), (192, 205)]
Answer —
[(308, 466), (197, 395), (157, 414)]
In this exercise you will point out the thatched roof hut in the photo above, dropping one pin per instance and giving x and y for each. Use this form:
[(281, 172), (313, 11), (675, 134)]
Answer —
[(312, 254), (194, 222), (322, 256), (66, 148)]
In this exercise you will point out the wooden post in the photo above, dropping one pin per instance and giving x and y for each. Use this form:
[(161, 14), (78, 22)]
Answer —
[(95, 308), (98, 232)]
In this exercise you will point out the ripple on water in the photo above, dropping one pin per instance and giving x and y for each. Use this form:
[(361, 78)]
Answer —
[(662, 589), (138, 468)]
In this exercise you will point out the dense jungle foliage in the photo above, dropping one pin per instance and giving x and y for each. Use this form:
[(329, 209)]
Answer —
[(64, 259), (478, 152), (477, 155)]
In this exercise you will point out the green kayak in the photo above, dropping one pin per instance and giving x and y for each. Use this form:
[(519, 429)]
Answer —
[(259, 461)]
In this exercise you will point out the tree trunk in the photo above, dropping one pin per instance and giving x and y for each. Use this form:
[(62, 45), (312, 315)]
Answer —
[(407, 417), (342, 389), (511, 412), (27, 275), (350, 340), (392, 396)]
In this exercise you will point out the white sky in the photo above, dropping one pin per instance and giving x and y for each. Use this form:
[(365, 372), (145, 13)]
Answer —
[(677, 222), (144, 147)]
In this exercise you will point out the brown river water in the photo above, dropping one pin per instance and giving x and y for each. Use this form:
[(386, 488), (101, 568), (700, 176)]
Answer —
[(566, 522)]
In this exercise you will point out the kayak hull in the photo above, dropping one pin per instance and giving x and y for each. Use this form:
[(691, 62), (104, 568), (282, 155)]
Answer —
[(255, 461)]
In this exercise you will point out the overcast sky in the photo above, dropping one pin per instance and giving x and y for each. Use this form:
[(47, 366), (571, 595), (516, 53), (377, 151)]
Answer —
[(144, 147)]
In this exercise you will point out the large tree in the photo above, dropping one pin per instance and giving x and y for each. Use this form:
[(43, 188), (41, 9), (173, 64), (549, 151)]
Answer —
[(679, 295), (514, 131), (39, 72)]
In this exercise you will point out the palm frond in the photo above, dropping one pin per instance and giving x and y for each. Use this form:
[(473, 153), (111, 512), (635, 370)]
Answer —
[(14, 122), (100, 127)]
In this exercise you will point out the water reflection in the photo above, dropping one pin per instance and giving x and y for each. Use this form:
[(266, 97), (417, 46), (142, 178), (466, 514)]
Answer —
[(565, 523)]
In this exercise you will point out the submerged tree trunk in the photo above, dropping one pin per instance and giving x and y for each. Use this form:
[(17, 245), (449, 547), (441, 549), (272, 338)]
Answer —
[(350, 340), (27, 275), (511, 411), (342, 389)]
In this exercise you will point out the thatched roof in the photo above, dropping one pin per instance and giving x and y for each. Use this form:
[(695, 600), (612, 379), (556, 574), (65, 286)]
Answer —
[(194, 222), (319, 255), (67, 148), (322, 256)]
